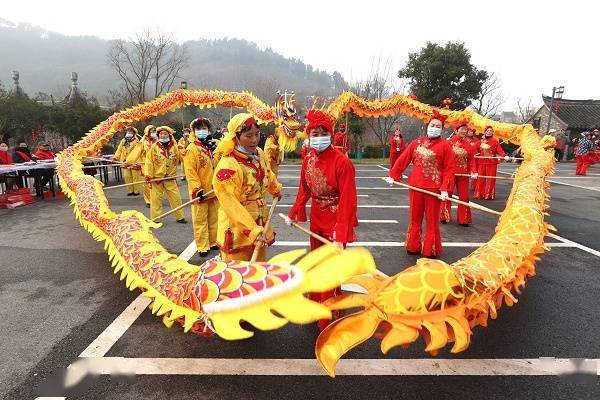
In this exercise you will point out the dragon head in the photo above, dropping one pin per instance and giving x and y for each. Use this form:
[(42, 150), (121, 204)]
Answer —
[(285, 119)]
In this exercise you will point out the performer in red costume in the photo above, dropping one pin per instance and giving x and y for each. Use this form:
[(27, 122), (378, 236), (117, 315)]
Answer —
[(473, 141), (341, 141), (488, 147), (397, 146), (327, 176), (433, 170), (464, 163)]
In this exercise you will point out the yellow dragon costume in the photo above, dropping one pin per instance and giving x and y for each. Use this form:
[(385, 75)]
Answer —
[(439, 301)]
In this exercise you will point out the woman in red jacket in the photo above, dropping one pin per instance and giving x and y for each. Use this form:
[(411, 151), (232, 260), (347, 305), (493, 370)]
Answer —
[(464, 164), (488, 147), (433, 170), (6, 158), (397, 146), (326, 177)]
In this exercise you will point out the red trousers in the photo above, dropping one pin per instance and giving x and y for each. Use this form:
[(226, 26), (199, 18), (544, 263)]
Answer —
[(423, 204), (321, 297), (486, 187), (393, 157), (463, 214), (583, 162)]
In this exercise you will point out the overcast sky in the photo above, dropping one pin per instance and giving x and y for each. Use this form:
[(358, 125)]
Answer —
[(531, 45)]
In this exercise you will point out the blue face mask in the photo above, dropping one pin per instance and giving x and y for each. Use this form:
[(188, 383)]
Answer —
[(320, 143), (201, 133), (246, 152), (164, 140), (434, 132)]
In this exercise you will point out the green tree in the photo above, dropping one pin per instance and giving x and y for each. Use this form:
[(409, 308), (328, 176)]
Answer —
[(437, 72), (19, 116), (74, 122)]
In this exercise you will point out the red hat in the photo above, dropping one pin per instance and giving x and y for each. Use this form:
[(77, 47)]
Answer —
[(461, 122), (316, 118), (436, 114)]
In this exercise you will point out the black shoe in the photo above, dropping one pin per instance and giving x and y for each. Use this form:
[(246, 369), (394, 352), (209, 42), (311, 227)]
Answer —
[(432, 257), (135, 194), (147, 205), (443, 221), (465, 225), (182, 221), (413, 253), (203, 253), (215, 247), (129, 194)]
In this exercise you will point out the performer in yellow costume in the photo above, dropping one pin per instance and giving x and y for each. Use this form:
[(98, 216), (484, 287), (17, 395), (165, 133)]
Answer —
[(148, 140), (274, 153), (198, 166), (161, 162), (182, 145), (241, 182), (129, 152)]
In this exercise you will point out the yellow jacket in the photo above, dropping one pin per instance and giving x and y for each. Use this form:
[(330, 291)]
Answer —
[(129, 152), (147, 142), (198, 165), (160, 161), (241, 186), (273, 151)]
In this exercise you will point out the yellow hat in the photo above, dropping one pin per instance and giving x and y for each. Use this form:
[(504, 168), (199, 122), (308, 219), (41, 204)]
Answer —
[(235, 125), (148, 128), (165, 128)]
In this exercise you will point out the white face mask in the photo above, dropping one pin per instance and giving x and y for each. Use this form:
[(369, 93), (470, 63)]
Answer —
[(128, 135), (164, 140), (153, 135), (434, 132), (320, 143), (3, 148), (201, 133)]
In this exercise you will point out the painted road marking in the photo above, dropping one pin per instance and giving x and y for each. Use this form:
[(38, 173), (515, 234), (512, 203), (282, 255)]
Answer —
[(302, 243), (353, 367), (359, 188), (561, 183), (102, 344), (359, 206)]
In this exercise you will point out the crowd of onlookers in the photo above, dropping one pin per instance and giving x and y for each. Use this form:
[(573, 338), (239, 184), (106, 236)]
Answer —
[(22, 154)]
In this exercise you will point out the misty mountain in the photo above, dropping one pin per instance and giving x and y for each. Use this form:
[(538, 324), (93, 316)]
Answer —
[(46, 59)]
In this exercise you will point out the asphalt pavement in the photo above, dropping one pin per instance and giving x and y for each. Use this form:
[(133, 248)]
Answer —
[(59, 295)]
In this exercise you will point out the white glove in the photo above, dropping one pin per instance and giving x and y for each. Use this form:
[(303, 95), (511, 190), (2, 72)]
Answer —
[(389, 180), (507, 158), (288, 221), (474, 175), (444, 196)]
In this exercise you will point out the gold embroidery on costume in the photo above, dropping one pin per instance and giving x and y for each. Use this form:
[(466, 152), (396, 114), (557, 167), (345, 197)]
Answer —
[(461, 156), (426, 159), (324, 195)]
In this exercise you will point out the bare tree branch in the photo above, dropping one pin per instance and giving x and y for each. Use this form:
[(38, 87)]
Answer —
[(490, 99), (152, 58), (524, 111)]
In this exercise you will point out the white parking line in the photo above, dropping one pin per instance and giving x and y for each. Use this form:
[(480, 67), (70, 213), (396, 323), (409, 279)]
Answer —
[(356, 177), (359, 188), (350, 367), (303, 243), (561, 183), (102, 344), (359, 206)]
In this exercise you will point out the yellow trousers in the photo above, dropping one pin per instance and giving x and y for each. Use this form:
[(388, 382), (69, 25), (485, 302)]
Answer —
[(147, 193), (157, 193), (204, 220), (132, 175), (245, 255)]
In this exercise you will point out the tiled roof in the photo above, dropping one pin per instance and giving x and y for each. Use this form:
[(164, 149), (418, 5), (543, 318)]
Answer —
[(584, 114)]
